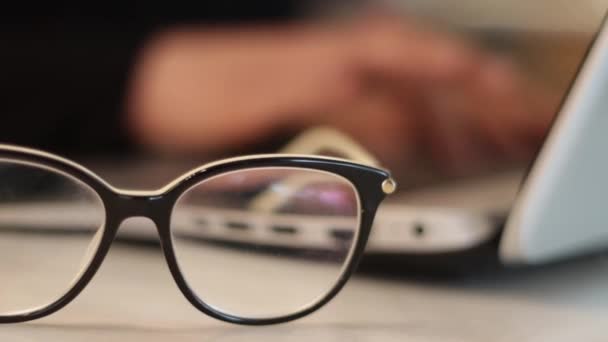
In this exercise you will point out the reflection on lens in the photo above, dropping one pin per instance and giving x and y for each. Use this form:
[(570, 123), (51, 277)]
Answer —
[(265, 242), (50, 224)]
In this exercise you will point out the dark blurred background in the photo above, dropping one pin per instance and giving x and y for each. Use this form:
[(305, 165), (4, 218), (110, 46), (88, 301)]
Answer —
[(186, 84)]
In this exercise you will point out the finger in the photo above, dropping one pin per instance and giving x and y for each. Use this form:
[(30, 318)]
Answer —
[(410, 51), (451, 143), (524, 110), (380, 121), (496, 102)]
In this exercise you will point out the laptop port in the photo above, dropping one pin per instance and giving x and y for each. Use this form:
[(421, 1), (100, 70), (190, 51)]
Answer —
[(284, 229)]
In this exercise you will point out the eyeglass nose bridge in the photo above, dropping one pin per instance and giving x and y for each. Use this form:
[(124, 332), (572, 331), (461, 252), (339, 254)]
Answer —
[(128, 205)]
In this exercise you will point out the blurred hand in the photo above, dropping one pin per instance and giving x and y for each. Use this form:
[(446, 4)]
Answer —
[(401, 89)]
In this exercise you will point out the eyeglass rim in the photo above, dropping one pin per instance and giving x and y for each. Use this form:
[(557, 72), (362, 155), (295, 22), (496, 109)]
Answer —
[(368, 182), (343, 268)]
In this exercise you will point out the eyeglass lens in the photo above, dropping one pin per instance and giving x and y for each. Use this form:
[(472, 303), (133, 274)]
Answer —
[(50, 224), (265, 242)]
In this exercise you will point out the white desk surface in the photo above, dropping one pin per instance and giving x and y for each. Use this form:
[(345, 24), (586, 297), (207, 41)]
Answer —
[(559, 303)]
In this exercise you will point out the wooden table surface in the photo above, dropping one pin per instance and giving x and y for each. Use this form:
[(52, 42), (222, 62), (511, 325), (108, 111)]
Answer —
[(134, 298)]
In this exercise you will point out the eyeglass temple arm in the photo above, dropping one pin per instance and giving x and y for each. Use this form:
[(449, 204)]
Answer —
[(313, 141), (321, 139)]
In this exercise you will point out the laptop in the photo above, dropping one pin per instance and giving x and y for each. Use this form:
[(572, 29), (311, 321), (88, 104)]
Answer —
[(562, 209), (554, 210)]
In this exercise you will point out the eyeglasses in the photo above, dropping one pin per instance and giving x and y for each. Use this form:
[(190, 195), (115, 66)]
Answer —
[(253, 240)]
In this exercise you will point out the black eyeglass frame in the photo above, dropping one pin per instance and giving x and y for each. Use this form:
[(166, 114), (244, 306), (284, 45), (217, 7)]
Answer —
[(372, 185)]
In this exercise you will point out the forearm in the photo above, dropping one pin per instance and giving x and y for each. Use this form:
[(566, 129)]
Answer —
[(65, 71)]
